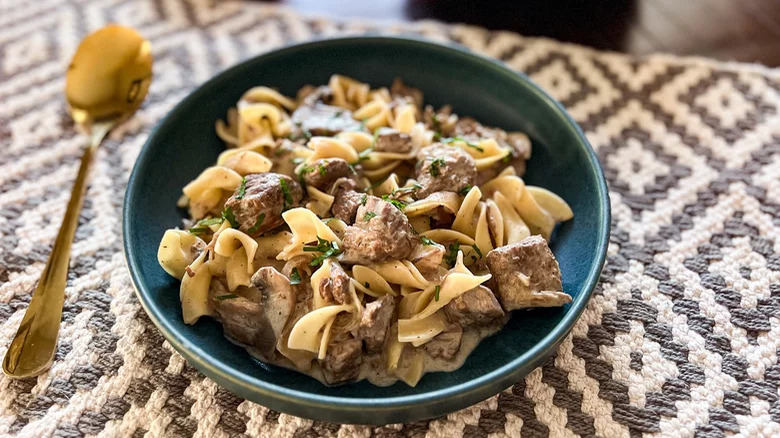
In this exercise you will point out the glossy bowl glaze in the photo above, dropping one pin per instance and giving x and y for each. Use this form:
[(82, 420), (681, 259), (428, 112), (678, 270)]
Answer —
[(184, 143)]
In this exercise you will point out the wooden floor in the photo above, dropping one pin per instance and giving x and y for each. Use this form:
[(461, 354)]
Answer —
[(741, 30)]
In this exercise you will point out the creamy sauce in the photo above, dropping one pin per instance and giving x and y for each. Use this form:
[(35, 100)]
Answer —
[(373, 369)]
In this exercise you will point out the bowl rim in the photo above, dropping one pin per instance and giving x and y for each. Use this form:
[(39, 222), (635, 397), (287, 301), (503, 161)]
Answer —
[(330, 408)]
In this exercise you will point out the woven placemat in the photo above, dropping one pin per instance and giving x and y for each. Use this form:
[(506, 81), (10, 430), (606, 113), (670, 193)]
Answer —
[(680, 338)]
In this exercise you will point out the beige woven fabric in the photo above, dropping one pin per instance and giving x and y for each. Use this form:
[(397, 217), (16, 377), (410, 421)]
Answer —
[(680, 338)]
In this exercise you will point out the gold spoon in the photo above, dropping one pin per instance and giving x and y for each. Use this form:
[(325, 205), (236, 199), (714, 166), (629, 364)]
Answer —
[(106, 82)]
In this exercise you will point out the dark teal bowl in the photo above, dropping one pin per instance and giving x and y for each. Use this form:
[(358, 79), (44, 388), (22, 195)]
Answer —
[(184, 143)]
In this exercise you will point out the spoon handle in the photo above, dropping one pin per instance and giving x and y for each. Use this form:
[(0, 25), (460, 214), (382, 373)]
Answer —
[(32, 349)]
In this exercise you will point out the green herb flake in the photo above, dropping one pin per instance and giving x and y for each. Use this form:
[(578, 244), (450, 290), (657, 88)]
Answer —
[(363, 124), (198, 230), (462, 140), (452, 257), (507, 158), (241, 189), (288, 199), (257, 224), (363, 200), (368, 216), (465, 190), (436, 127), (327, 248), (209, 222), (295, 276), (477, 250), (408, 189), (436, 163), (396, 203), (363, 155), (227, 297), (436, 293), (337, 114), (323, 170), (227, 214), (426, 241)]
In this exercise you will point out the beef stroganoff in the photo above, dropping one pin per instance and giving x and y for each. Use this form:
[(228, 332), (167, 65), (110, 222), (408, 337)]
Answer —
[(353, 233)]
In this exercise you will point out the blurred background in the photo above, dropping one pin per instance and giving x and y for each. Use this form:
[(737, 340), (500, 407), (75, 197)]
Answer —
[(738, 30)]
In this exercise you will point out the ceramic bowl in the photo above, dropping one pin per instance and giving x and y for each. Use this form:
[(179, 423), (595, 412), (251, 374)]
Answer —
[(184, 143)]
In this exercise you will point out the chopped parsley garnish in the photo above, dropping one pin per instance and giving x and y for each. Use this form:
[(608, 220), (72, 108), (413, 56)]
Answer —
[(227, 297), (408, 189), (295, 276), (436, 127), (198, 230), (363, 155), (288, 199), (363, 200), (396, 203), (435, 164), (257, 224), (452, 257), (326, 247), (281, 151), (227, 214), (426, 241), (465, 190), (367, 285), (436, 293), (323, 170), (477, 250), (241, 189), (337, 114), (212, 221), (461, 139), (507, 158), (368, 216)]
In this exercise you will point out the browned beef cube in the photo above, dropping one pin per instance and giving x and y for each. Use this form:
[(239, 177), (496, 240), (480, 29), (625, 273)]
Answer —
[(400, 89), (475, 308), (381, 233), (527, 275), (375, 323), (446, 344), (342, 362), (324, 172), (265, 198), (336, 286), (317, 118), (444, 169), (391, 140), (346, 202)]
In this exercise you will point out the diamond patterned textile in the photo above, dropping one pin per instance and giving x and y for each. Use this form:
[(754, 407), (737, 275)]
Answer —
[(681, 337)]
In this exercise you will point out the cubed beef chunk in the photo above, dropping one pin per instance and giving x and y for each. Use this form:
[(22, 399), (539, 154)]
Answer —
[(391, 140), (375, 323), (517, 142), (264, 200), (241, 314), (346, 202), (324, 172), (527, 275), (315, 117), (477, 307), (381, 233), (342, 362), (336, 286), (444, 169), (400, 89), (446, 344), (427, 258)]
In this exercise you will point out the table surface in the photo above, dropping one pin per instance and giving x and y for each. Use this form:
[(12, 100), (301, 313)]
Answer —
[(747, 31)]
